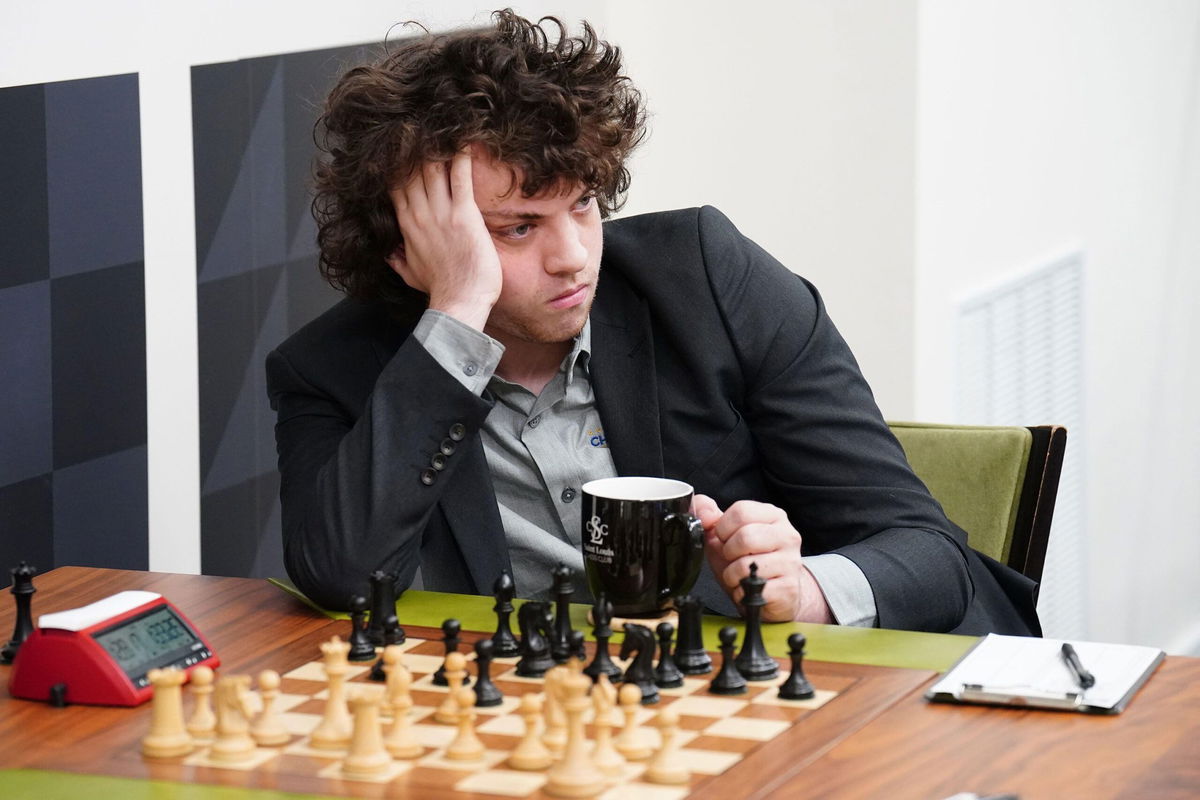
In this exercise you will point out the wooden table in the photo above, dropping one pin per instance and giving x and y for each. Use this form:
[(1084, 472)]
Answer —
[(877, 738)]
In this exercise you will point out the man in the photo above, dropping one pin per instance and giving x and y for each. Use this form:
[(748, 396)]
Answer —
[(501, 346)]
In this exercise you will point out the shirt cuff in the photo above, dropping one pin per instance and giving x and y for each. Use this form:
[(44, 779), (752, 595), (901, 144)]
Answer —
[(846, 589), (469, 355)]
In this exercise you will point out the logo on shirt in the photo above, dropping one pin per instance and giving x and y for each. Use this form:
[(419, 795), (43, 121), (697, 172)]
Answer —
[(596, 438), (596, 530)]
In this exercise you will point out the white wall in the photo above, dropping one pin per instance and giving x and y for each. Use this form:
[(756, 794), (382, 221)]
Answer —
[(796, 120), (1043, 125)]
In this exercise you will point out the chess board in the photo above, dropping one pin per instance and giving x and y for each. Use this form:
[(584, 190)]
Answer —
[(716, 733)]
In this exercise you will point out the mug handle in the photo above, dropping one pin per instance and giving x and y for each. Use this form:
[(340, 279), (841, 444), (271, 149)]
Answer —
[(687, 549)]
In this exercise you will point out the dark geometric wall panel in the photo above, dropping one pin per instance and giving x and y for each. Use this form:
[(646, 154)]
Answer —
[(24, 236), (256, 257), (99, 357), (72, 326)]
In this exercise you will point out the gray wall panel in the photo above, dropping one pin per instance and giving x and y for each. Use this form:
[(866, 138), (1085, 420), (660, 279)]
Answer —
[(25, 424), (99, 357), (99, 510), (257, 281), (94, 173), (24, 241), (72, 326)]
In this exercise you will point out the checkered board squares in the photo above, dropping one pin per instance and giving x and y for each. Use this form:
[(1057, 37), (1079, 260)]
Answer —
[(716, 732)]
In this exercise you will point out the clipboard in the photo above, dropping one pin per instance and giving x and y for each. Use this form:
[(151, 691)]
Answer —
[(1029, 672)]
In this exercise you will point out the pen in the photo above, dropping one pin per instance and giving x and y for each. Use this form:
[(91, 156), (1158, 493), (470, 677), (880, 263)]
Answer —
[(1085, 679)]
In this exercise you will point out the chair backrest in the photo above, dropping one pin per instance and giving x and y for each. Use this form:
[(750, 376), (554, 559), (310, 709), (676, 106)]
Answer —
[(998, 484)]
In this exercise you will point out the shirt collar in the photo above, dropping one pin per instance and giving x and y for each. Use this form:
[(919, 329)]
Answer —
[(580, 354)]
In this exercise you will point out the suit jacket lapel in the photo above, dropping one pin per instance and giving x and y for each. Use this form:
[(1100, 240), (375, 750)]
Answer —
[(623, 377)]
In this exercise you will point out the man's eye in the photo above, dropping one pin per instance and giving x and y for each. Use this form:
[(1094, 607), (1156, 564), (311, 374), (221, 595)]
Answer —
[(584, 202), (518, 231)]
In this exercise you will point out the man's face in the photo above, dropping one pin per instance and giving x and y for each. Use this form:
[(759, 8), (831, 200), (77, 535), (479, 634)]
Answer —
[(549, 247)]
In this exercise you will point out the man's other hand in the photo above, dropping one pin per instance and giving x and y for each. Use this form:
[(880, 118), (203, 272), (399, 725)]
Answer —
[(760, 533), (447, 251)]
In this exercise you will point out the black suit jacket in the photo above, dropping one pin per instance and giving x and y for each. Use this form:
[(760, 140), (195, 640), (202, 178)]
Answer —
[(710, 363)]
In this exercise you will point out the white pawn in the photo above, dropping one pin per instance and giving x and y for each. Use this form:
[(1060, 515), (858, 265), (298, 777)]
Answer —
[(530, 753), (604, 755), (268, 729), (632, 742), (168, 737), (575, 775), (400, 740), (456, 670), (203, 723), (667, 766), (554, 736), (367, 757), (233, 744), (466, 745), (333, 731)]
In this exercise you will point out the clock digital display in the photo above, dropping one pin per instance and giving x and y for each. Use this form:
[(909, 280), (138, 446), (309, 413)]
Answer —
[(150, 640)]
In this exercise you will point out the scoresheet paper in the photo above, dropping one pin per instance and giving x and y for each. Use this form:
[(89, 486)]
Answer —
[(1027, 669)]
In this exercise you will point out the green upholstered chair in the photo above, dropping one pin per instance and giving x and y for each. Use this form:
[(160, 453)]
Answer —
[(997, 483)]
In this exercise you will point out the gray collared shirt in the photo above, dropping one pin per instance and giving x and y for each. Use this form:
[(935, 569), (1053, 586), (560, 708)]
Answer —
[(542, 448)]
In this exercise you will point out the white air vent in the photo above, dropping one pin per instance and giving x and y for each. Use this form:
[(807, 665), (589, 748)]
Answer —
[(1020, 362)]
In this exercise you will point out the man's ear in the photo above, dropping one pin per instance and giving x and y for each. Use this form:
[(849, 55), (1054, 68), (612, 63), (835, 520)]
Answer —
[(398, 258)]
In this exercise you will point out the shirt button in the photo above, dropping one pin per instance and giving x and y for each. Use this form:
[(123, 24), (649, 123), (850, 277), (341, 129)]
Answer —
[(533, 423), (458, 431), (568, 494), (470, 368), (428, 476), (447, 447), (438, 462)]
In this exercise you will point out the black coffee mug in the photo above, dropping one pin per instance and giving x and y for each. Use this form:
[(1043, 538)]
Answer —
[(641, 546)]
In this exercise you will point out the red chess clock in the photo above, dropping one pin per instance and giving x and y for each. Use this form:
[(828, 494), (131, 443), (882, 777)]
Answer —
[(99, 654)]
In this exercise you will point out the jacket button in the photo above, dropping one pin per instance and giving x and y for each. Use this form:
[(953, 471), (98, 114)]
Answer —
[(568, 494), (470, 368), (533, 423), (458, 431), (447, 447), (428, 476), (438, 462)]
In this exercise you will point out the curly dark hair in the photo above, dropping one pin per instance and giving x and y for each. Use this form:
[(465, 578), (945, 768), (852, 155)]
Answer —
[(554, 107)]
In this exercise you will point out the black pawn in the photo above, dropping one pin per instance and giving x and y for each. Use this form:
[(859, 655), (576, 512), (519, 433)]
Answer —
[(361, 648), (690, 655), (383, 604), (602, 662), (22, 590), (392, 634), (486, 693), (753, 661), (450, 631), (578, 648), (728, 680), (504, 643), (666, 674), (796, 687), (560, 640)]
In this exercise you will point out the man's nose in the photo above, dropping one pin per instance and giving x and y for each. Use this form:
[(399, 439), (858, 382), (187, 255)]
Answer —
[(567, 252)]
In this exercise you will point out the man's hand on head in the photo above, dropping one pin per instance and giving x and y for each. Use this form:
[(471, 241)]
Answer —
[(448, 252), (760, 533)]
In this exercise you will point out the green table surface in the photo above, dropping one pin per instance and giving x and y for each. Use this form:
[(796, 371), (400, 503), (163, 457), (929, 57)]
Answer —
[(876, 646), (37, 784)]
